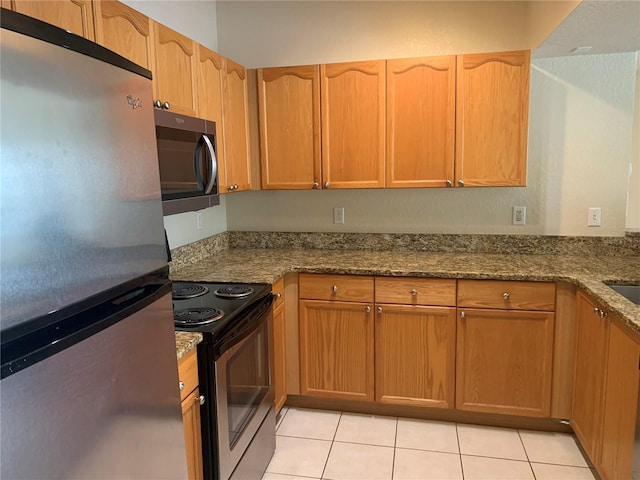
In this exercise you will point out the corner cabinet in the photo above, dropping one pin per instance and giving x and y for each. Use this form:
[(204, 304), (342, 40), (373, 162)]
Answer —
[(504, 356), (492, 111), (421, 122), (289, 107), (236, 129), (353, 124), (336, 336), (191, 402), (76, 16)]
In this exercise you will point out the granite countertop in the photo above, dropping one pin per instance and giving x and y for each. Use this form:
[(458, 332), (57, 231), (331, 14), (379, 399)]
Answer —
[(267, 265), (186, 341)]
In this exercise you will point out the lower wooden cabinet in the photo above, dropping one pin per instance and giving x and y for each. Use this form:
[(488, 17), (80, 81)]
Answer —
[(415, 355), (191, 402), (279, 347), (336, 349)]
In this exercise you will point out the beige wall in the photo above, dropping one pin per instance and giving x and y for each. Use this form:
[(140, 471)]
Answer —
[(633, 204), (542, 18)]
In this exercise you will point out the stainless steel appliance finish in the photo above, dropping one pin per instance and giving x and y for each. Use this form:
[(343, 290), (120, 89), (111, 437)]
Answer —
[(188, 164), (234, 364), (89, 385)]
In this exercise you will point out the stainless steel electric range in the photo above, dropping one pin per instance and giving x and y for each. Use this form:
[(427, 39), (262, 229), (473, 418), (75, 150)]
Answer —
[(234, 367)]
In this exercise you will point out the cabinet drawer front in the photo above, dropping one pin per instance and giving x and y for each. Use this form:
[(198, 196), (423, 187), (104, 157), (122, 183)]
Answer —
[(507, 294), (346, 288), (188, 373), (278, 290), (416, 291)]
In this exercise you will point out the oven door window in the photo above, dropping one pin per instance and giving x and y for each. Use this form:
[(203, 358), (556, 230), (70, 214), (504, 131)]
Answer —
[(247, 382)]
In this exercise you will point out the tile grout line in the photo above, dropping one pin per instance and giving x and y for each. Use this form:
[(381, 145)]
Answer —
[(395, 446), (526, 454), (459, 451), (326, 462)]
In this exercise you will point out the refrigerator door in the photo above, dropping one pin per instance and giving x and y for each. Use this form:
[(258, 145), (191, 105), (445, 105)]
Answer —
[(104, 408), (80, 207)]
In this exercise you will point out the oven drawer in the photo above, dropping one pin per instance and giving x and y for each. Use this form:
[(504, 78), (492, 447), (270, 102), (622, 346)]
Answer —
[(346, 288), (187, 374), (513, 295)]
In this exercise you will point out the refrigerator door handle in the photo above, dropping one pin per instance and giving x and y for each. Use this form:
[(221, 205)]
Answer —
[(214, 164)]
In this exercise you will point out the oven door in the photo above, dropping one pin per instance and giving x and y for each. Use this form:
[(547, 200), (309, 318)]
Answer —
[(244, 389)]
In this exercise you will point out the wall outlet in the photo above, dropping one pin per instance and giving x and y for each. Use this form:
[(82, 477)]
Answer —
[(519, 215), (595, 217), (199, 220), (338, 215)]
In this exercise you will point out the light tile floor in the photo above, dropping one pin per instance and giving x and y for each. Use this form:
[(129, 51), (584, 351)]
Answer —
[(321, 444)]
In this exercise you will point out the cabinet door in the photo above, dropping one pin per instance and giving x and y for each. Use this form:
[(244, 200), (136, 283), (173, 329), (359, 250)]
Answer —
[(174, 70), (621, 402), (192, 434), (504, 361), (210, 91), (289, 104), (236, 129), (415, 355), (353, 124), (125, 31), (420, 122), (492, 109), (75, 16), (592, 333), (336, 349), (280, 361)]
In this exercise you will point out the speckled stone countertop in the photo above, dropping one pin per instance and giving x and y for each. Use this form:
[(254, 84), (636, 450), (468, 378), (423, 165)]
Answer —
[(267, 265), (186, 341)]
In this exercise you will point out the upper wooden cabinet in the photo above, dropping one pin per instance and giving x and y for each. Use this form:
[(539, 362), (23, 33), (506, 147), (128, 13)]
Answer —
[(174, 70), (353, 124), (236, 129), (289, 105), (492, 108), (125, 31), (76, 16), (210, 88), (421, 122)]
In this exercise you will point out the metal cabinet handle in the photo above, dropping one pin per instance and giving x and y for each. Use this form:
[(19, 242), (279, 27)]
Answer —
[(506, 296), (335, 288), (414, 292), (460, 183), (367, 309), (326, 184), (316, 185), (449, 183), (462, 315), (181, 385), (157, 104), (379, 309), (235, 186), (166, 105), (596, 310), (200, 400), (278, 295)]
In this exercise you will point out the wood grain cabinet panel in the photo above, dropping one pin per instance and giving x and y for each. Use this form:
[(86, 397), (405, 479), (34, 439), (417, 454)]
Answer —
[(507, 294), (279, 346), (350, 288), (415, 355), (492, 109), (236, 129), (174, 70), (289, 105), (420, 122), (76, 16), (353, 124), (125, 31), (336, 349), (416, 291), (191, 403)]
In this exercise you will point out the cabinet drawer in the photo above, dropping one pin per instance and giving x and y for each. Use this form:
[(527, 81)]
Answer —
[(346, 288), (278, 290), (188, 373), (416, 291), (506, 294)]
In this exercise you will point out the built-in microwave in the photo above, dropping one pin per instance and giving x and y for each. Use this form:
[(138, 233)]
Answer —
[(188, 162)]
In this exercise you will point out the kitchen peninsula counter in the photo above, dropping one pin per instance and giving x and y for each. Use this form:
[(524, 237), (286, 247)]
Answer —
[(267, 265), (186, 341)]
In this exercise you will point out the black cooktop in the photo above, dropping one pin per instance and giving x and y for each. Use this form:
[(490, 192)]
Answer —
[(211, 307)]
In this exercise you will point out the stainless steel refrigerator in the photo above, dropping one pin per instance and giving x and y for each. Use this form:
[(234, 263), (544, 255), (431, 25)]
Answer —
[(89, 386)]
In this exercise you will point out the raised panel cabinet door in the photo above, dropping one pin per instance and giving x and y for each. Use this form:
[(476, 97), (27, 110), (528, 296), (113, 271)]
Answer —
[(289, 106), (174, 70), (492, 112), (353, 124), (621, 402), (210, 92), (236, 129), (336, 349), (192, 434), (280, 359), (504, 361), (591, 349), (421, 122), (75, 16), (415, 355), (125, 31)]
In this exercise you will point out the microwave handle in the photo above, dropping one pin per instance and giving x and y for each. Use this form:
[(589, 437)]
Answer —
[(196, 163), (214, 164)]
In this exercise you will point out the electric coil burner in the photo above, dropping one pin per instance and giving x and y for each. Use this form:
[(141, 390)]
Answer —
[(182, 291), (197, 316), (234, 291)]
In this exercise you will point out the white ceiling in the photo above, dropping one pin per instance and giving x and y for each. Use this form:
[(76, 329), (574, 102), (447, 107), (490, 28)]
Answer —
[(608, 26)]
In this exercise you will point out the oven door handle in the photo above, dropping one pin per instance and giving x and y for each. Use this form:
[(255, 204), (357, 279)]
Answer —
[(246, 327)]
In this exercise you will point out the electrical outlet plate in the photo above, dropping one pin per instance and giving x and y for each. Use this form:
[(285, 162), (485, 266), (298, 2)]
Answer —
[(595, 217), (338, 215), (519, 215)]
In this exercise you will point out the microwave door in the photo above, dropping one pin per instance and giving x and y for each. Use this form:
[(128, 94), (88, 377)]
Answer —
[(213, 162)]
